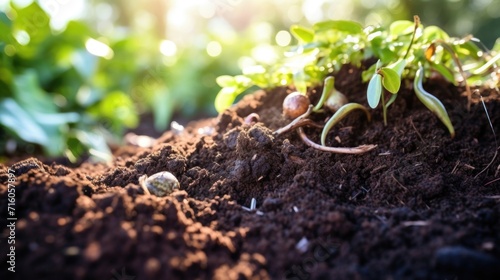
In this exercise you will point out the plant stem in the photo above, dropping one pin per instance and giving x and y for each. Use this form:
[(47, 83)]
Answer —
[(416, 19), (337, 150), (384, 109)]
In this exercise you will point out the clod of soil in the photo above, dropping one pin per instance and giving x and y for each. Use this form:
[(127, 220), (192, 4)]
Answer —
[(417, 207)]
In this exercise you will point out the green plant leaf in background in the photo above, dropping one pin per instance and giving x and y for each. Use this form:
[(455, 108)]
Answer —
[(116, 110), (163, 107), (401, 28), (305, 35), (347, 26)]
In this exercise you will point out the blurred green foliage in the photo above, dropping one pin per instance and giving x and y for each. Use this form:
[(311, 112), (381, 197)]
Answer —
[(73, 91), (75, 88), (41, 74)]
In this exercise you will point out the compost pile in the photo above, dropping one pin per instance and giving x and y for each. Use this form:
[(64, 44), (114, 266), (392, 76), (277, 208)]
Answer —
[(419, 206)]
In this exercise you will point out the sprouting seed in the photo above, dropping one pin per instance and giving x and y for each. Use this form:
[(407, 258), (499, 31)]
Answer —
[(295, 104), (159, 184)]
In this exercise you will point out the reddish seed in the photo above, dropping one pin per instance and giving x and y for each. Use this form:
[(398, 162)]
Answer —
[(295, 104)]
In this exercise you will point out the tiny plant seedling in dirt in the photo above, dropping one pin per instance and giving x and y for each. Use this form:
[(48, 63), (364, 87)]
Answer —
[(404, 51)]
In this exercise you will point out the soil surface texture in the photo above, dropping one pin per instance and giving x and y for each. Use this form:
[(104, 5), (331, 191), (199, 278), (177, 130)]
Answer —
[(420, 206)]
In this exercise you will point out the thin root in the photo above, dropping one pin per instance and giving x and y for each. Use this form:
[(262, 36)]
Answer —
[(338, 150), (295, 123)]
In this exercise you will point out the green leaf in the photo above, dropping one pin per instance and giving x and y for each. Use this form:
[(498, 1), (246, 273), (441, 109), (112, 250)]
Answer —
[(30, 95), (487, 65), (432, 33), (225, 98), (33, 21), (95, 143), (303, 34), (445, 71), (226, 81), (431, 102), (347, 26), (163, 105), (398, 66), (118, 110), (390, 79), (401, 27), (374, 91), (341, 113), (496, 46), (44, 129), (21, 122)]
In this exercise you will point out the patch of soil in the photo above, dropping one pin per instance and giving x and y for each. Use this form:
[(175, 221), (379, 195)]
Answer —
[(420, 206)]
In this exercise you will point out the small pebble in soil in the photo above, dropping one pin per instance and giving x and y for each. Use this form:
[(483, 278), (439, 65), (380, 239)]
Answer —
[(159, 184)]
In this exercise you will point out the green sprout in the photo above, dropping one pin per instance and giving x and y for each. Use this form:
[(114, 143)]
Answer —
[(405, 50)]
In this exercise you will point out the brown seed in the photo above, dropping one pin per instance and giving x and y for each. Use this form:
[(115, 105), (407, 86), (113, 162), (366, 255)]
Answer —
[(295, 104)]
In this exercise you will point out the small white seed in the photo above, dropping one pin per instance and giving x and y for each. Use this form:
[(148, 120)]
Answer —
[(335, 101), (159, 184)]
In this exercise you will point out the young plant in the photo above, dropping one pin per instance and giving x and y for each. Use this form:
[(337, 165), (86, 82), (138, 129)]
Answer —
[(389, 77), (404, 50), (332, 99)]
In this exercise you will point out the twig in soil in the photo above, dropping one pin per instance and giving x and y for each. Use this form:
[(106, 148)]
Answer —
[(401, 185), (418, 133), (491, 182), (253, 206), (338, 150), (416, 223), (456, 167), (494, 135)]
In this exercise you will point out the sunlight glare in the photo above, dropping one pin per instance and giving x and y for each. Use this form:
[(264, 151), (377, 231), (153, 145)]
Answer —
[(283, 38), (214, 49), (168, 48), (99, 49)]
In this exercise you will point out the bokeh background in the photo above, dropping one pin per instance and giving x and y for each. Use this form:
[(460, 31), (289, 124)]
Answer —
[(77, 75)]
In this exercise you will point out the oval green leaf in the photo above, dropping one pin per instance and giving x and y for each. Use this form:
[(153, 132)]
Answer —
[(401, 27), (305, 35), (432, 33), (390, 79), (374, 91), (398, 66)]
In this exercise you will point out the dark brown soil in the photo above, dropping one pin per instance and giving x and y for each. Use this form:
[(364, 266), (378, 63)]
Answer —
[(420, 206)]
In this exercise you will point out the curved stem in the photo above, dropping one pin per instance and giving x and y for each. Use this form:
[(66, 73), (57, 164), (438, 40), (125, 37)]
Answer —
[(295, 122), (327, 89), (337, 150)]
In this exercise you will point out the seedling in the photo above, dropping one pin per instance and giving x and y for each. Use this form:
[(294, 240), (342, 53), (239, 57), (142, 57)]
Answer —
[(336, 100), (404, 50)]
